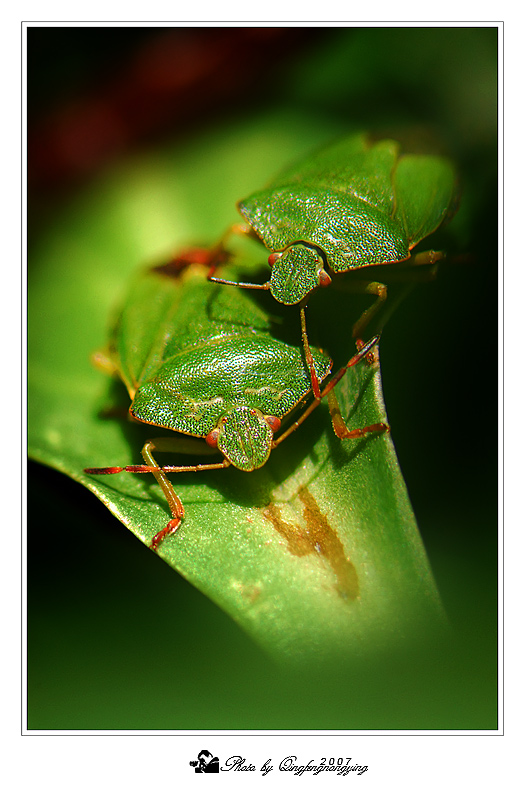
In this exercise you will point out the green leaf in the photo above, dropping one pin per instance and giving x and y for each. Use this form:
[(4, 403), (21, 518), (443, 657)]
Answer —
[(317, 554)]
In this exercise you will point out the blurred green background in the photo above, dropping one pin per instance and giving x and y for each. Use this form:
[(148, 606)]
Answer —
[(109, 110)]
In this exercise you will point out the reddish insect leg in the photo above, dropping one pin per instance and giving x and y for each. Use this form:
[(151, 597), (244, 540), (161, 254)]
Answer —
[(375, 288), (308, 356), (406, 272), (159, 473), (174, 502), (340, 428)]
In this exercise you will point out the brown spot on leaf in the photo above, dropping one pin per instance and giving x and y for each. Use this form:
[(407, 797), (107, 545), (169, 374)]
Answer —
[(317, 537)]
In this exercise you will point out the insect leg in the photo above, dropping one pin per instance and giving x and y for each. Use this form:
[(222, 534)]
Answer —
[(102, 361), (174, 502), (404, 272), (239, 284), (342, 431), (175, 505), (308, 355), (375, 288), (340, 427), (428, 257)]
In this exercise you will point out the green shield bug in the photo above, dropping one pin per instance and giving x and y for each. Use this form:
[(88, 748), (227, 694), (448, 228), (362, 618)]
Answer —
[(204, 361), (349, 206)]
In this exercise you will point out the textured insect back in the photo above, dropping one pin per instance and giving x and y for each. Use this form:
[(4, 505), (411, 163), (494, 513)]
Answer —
[(352, 205), (341, 200), (229, 382), (168, 313), (351, 165)]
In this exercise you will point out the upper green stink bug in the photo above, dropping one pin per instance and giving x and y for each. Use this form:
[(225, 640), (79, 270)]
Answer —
[(201, 360), (349, 206)]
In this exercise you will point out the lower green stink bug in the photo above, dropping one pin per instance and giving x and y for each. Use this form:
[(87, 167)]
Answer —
[(201, 360), (349, 206)]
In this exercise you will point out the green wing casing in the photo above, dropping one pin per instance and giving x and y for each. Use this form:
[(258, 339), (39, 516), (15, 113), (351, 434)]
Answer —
[(197, 357), (163, 316), (351, 232), (361, 204), (191, 391), (425, 190)]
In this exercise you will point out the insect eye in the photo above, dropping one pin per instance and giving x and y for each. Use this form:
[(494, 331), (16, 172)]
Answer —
[(213, 437), (324, 278), (273, 257), (274, 423)]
